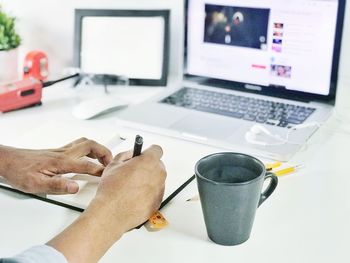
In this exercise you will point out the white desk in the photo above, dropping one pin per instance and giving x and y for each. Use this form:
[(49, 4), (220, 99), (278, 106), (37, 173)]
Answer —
[(307, 219)]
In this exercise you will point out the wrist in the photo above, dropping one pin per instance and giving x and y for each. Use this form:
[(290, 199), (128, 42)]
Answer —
[(90, 236), (103, 212)]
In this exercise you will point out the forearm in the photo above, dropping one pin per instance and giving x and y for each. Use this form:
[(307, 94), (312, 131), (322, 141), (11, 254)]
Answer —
[(4, 159), (90, 236)]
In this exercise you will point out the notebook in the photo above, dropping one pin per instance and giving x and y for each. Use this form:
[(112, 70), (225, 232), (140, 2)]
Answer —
[(177, 177)]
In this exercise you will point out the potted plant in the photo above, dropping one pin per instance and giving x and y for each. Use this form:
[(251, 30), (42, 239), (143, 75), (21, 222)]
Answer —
[(9, 42)]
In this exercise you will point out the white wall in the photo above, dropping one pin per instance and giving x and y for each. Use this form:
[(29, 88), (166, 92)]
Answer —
[(345, 52), (49, 25)]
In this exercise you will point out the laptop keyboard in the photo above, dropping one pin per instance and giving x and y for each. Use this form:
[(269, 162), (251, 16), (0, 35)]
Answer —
[(240, 107)]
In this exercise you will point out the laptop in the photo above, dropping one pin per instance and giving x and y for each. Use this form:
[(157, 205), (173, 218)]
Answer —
[(269, 63)]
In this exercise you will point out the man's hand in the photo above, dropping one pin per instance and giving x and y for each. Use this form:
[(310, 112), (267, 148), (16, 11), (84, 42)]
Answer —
[(133, 188), (39, 171), (130, 191)]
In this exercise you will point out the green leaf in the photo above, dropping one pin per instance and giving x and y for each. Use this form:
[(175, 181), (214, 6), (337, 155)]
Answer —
[(9, 39)]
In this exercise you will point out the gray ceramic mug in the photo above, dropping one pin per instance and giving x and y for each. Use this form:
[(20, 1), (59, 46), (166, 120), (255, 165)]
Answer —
[(230, 186)]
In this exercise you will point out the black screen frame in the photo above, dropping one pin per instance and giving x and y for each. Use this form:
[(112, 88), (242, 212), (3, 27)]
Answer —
[(275, 91), (81, 13)]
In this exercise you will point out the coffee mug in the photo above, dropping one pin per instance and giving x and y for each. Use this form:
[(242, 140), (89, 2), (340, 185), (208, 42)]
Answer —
[(230, 189)]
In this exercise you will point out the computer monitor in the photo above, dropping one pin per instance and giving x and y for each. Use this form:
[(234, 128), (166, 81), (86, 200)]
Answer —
[(130, 43), (273, 47)]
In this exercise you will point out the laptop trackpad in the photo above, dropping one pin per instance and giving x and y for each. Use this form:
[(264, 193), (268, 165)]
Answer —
[(207, 125)]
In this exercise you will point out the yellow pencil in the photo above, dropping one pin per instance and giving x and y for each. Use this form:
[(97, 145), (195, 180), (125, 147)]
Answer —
[(287, 170), (271, 166)]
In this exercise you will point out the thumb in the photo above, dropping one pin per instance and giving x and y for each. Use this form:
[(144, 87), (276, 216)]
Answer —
[(59, 185), (83, 166), (123, 156)]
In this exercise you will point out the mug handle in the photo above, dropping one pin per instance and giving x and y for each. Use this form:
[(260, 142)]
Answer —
[(270, 188)]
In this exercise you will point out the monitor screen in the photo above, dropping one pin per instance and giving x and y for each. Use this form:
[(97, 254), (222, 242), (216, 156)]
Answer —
[(111, 45), (130, 43), (282, 44)]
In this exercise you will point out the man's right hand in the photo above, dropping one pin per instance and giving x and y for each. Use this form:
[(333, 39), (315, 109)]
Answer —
[(130, 191), (133, 188)]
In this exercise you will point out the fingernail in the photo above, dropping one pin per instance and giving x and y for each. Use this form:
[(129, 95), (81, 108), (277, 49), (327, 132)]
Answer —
[(99, 170), (107, 160), (72, 187)]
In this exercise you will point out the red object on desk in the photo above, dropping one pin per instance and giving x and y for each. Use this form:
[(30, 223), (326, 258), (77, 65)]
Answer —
[(36, 65), (20, 94), (26, 92)]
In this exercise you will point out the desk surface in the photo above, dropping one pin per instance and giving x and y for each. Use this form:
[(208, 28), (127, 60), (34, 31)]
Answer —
[(307, 219)]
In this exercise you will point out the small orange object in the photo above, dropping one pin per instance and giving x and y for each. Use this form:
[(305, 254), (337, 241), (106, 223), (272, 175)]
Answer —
[(157, 221), (36, 65)]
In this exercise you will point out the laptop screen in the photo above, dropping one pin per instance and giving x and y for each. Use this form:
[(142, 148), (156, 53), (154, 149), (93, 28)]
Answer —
[(286, 45)]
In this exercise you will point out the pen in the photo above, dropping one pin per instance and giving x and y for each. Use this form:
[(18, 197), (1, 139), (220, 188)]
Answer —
[(287, 170), (137, 146)]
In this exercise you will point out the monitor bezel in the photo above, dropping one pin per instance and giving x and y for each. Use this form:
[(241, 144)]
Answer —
[(273, 91), (81, 13)]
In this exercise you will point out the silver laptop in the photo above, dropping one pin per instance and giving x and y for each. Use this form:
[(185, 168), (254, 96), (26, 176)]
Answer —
[(261, 76)]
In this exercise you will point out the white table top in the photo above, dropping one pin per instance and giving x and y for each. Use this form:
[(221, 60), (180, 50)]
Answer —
[(305, 220)]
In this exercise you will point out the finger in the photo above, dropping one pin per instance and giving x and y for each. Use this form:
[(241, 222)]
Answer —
[(91, 149), (161, 194), (57, 185), (82, 166), (100, 152), (69, 145), (159, 198), (49, 172), (123, 156), (163, 169), (80, 140), (154, 151)]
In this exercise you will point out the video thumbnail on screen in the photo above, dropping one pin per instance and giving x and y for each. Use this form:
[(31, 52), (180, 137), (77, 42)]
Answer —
[(281, 71), (236, 26)]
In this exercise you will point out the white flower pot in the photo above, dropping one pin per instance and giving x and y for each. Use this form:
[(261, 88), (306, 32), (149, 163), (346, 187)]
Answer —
[(8, 65)]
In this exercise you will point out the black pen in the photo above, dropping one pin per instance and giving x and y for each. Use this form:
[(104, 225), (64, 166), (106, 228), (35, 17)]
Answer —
[(137, 146)]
